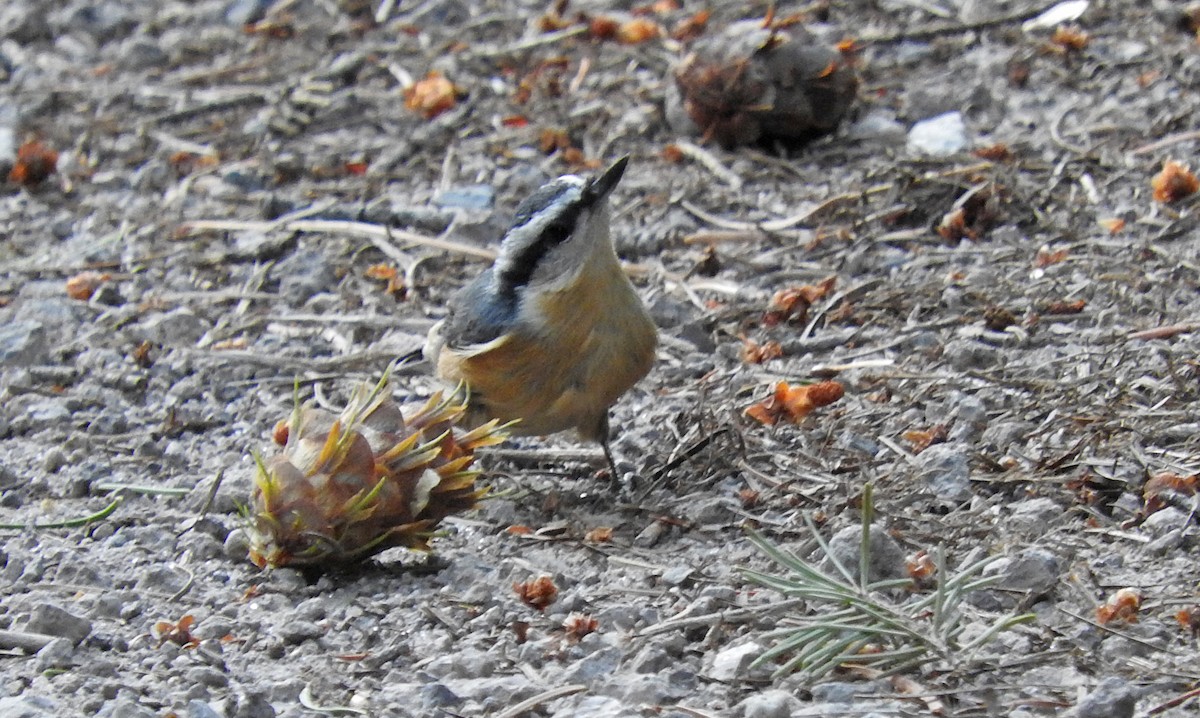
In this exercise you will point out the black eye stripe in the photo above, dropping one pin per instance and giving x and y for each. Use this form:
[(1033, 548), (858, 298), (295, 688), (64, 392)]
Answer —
[(523, 262)]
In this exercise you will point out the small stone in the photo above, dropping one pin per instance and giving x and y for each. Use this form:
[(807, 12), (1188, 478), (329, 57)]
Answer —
[(23, 343), (1164, 521), (651, 659), (56, 654), (237, 545), (29, 706), (251, 704), (200, 709), (1034, 516), (1113, 698), (245, 12), (733, 662), (299, 631), (887, 558), (595, 707), (178, 327), (476, 196), (938, 136), (769, 704), (677, 575), (434, 696), (1033, 569), (946, 469), (593, 668), (967, 354), (53, 620), (207, 676)]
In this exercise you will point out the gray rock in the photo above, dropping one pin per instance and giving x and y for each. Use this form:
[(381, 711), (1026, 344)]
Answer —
[(1034, 516), (54, 655), (887, 558), (969, 418), (677, 575), (769, 704), (54, 620), (1114, 697), (178, 327), (298, 631), (593, 668), (967, 354), (733, 662), (27, 706), (842, 691), (123, 708), (244, 12), (237, 545), (304, 274), (23, 343), (651, 659), (877, 127), (200, 709), (1034, 569), (476, 197), (1164, 521), (946, 469), (938, 136), (434, 696), (249, 704), (595, 707)]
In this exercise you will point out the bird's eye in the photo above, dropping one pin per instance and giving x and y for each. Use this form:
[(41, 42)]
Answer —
[(556, 233)]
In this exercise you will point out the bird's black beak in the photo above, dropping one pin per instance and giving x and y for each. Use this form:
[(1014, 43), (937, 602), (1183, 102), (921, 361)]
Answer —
[(603, 184)]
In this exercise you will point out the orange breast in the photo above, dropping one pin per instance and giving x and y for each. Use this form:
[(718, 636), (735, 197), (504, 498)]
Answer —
[(592, 342)]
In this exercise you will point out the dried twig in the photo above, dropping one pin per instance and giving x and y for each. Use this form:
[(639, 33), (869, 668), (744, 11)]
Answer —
[(709, 161), (551, 695), (373, 232)]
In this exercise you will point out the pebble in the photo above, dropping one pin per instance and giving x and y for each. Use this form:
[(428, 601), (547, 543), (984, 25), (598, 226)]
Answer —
[(124, 708), (1114, 697), (768, 704), (651, 659), (200, 709), (1164, 521), (887, 558), (434, 696), (475, 197), (28, 706), (178, 327), (733, 662), (244, 12), (967, 354), (249, 704), (1033, 569), (56, 654), (53, 620), (304, 274), (593, 668), (1033, 516), (938, 136), (877, 127), (294, 631), (595, 707), (23, 343), (946, 469)]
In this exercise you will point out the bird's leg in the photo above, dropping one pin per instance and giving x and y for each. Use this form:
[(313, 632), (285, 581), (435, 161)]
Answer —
[(615, 479)]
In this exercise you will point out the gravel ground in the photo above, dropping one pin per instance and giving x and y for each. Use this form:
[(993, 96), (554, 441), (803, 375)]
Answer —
[(1007, 393)]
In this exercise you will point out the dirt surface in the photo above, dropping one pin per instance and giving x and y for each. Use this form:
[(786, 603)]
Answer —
[(1019, 345)]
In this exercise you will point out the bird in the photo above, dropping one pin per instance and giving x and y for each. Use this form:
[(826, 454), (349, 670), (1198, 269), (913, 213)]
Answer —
[(553, 333)]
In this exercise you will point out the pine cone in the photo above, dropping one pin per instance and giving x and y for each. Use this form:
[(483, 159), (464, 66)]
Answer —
[(750, 83), (349, 486)]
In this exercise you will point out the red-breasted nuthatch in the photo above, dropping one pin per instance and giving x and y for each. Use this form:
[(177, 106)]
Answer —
[(553, 333)]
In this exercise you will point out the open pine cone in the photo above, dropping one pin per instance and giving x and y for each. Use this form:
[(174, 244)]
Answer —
[(349, 486), (752, 83)]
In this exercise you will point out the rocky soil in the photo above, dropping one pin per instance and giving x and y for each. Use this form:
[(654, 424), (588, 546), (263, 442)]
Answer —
[(1011, 383)]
